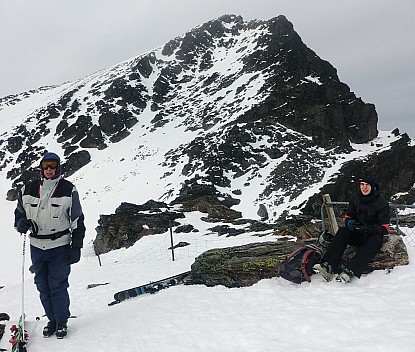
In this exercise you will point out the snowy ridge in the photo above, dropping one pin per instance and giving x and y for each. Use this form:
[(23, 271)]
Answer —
[(222, 104)]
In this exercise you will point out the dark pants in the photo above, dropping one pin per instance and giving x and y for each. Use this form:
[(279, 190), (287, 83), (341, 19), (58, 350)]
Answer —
[(52, 270), (367, 245)]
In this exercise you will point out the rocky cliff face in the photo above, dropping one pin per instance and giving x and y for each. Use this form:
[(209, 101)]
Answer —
[(245, 105)]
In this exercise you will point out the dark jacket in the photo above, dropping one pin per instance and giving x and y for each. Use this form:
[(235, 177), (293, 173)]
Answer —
[(371, 210)]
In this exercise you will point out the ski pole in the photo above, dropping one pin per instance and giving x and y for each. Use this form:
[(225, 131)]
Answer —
[(23, 264)]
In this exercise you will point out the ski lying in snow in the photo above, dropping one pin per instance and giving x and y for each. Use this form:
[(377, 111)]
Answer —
[(151, 287)]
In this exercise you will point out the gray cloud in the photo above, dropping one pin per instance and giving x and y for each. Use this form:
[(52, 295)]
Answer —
[(369, 42)]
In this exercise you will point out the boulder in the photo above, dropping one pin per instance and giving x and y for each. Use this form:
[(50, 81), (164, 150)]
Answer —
[(246, 265)]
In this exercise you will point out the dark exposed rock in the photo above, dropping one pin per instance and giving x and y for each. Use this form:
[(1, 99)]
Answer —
[(260, 226), (119, 136), (185, 229), (14, 144), (62, 125), (120, 88), (221, 212), (130, 223), (262, 212), (144, 65), (77, 130), (205, 198), (112, 123), (53, 112), (151, 205), (180, 244), (246, 265), (164, 83), (93, 138), (76, 161), (226, 230), (70, 149)]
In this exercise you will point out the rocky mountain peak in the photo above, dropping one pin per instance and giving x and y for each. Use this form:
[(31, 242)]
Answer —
[(245, 105)]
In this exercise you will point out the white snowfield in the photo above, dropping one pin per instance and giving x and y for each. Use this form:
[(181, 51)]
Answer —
[(375, 313)]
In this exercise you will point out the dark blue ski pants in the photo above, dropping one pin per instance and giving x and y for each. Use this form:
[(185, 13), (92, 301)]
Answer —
[(52, 270)]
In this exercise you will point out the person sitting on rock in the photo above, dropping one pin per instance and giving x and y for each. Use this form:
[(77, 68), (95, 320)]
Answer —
[(366, 222)]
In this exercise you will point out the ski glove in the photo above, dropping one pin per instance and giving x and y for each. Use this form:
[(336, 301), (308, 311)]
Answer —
[(23, 225), (351, 224), (371, 229), (4, 316), (74, 255)]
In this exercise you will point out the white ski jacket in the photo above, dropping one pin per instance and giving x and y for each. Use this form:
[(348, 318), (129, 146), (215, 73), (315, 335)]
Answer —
[(55, 208)]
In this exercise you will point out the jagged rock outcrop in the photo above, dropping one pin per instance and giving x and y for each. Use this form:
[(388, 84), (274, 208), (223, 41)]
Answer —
[(246, 265), (130, 223), (205, 198)]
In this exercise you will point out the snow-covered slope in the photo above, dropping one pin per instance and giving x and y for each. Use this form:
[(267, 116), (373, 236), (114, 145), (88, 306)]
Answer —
[(246, 107)]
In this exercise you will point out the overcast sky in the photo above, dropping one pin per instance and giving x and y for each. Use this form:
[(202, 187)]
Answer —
[(370, 43)]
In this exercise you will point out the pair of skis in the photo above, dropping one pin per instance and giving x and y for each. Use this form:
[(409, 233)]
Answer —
[(151, 287)]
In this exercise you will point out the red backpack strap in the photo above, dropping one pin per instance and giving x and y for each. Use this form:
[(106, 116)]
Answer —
[(304, 261), (293, 253)]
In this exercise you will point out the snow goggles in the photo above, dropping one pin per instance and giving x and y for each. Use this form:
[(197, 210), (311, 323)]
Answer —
[(49, 164)]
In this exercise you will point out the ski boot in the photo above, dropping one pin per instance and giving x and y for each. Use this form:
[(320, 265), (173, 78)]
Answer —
[(61, 330), (49, 329), (325, 270)]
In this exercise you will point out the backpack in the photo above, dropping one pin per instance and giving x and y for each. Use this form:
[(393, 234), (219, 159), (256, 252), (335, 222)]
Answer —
[(298, 266)]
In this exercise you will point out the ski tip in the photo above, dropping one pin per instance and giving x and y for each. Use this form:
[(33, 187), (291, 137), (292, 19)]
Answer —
[(37, 318), (113, 302)]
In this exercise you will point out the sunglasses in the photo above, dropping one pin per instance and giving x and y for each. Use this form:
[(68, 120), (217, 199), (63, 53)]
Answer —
[(49, 164)]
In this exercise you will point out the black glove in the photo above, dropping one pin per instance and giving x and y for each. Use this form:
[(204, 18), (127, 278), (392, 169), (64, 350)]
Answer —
[(4, 316), (74, 255), (23, 225), (362, 228), (370, 229)]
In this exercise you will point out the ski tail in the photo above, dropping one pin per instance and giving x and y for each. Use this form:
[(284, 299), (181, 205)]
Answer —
[(19, 336)]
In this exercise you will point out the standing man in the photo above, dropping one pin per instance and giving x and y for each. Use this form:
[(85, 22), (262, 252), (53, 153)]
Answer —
[(366, 221), (50, 208)]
